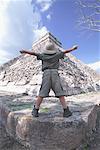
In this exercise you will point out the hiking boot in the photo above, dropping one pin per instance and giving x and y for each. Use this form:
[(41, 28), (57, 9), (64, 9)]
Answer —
[(35, 112), (67, 112)]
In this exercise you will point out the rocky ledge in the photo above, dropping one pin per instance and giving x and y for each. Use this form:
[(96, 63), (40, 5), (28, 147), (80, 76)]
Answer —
[(50, 131)]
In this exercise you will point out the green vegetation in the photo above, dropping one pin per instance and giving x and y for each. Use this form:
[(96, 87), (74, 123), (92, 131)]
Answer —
[(44, 109), (86, 147), (20, 106)]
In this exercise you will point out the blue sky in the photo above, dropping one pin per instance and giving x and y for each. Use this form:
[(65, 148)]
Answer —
[(24, 21)]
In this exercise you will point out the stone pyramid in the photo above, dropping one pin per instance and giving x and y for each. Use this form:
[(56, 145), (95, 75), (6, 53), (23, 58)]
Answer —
[(25, 72)]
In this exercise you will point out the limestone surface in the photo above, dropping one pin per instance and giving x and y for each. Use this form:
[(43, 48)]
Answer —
[(50, 131)]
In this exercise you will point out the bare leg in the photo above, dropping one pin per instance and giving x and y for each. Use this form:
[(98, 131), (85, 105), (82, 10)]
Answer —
[(36, 106), (38, 102), (63, 102)]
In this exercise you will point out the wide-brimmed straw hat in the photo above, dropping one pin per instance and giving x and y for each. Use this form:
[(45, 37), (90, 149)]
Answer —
[(50, 48)]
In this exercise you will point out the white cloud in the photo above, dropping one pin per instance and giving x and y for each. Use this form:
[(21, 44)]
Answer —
[(49, 17), (45, 4), (20, 25), (4, 56), (10, 21), (40, 32), (4, 21), (95, 66)]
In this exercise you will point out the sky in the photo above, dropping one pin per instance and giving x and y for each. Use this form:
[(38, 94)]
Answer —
[(24, 21)]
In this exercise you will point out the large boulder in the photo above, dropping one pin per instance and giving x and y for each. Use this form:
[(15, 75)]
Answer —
[(51, 130), (7, 142)]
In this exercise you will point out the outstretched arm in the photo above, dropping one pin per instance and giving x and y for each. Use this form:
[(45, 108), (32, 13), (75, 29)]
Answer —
[(71, 49), (28, 52)]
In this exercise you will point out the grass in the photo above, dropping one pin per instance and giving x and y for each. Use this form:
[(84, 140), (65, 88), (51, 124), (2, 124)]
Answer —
[(86, 147), (44, 109), (20, 106)]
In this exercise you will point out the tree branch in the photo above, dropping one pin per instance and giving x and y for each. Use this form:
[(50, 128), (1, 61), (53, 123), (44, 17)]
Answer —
[(89, 15)]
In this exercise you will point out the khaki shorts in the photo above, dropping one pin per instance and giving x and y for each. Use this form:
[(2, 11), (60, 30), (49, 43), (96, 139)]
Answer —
[(51, 80)]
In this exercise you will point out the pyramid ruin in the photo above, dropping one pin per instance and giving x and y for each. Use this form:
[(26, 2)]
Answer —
[(25, 72)]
